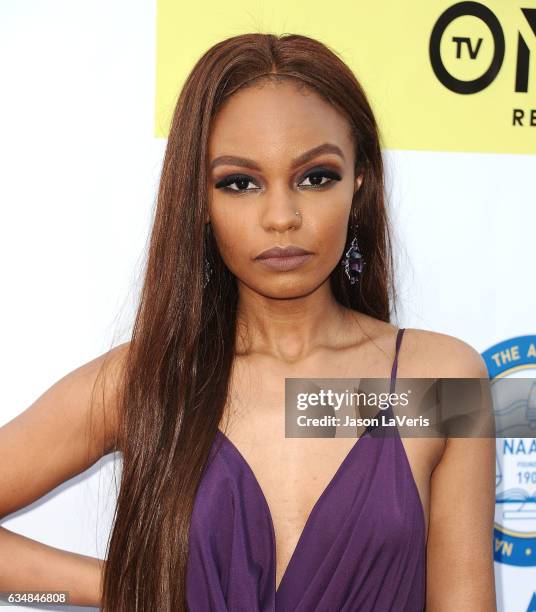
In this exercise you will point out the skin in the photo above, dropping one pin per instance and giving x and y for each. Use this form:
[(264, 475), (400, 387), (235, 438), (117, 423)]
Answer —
[(257, 124), (290, 326)]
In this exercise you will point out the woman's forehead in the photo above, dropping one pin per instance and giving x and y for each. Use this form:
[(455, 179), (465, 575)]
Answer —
[(276, 119)]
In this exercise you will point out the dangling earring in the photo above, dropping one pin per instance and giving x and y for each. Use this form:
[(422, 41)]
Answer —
[(353, 261), (207, 268), (207, 273)]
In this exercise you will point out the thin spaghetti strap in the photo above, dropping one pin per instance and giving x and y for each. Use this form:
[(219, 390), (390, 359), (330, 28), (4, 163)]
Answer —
[(395, 360)]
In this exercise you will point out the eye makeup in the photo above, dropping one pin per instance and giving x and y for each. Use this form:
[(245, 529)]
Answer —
[(242, 181)]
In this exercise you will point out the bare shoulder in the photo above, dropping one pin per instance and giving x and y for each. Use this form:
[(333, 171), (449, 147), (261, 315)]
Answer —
[(424, 353), (63, 432), (430, 354), (93, 387)]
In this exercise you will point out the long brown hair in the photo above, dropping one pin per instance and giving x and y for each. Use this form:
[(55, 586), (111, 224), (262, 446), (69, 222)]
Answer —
[(178, 365)]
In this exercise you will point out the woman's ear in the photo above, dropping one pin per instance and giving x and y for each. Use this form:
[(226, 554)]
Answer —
[(357, 183)]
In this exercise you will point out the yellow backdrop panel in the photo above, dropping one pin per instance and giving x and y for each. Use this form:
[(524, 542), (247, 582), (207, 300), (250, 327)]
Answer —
[(441, 76)]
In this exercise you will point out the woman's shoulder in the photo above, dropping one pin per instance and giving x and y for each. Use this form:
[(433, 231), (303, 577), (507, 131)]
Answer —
[(423, 353), (432, 354)]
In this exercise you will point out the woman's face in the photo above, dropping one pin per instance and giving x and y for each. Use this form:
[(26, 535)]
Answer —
[(275, 150)]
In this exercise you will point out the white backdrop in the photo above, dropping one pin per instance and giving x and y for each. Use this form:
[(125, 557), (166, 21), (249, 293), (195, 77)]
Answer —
[(80, 168)]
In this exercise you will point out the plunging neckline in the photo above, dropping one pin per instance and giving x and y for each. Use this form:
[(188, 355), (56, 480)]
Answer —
[(315, 508)]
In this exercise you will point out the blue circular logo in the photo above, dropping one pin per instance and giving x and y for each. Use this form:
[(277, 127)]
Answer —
[(515, 508)]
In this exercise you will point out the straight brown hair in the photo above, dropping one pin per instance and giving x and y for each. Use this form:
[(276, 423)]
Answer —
[(178, 364)]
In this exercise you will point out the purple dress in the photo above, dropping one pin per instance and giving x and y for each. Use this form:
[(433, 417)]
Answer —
[(363, 547)]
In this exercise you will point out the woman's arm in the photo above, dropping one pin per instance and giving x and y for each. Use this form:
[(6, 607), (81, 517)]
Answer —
[(28, 565), (60, 435), (460, 571)]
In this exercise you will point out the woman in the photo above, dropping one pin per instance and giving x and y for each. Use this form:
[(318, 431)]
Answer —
[(273, 147)]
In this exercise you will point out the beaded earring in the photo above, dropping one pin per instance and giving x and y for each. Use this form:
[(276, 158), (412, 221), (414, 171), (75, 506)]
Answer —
[(353, 261)]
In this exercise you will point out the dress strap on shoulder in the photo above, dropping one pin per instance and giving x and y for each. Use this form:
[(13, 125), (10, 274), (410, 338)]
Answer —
[(399, 336)]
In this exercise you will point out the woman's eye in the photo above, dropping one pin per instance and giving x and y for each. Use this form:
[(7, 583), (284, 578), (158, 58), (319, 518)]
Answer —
[(241, 181), (316, 178)]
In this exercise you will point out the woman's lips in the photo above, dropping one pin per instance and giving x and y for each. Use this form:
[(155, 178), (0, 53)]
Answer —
[(285, 263)]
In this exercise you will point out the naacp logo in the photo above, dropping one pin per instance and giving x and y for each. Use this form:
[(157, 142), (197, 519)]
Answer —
[(515, 508)]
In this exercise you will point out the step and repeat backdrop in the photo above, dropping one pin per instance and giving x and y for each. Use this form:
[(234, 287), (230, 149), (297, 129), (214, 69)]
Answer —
[(88, 93)]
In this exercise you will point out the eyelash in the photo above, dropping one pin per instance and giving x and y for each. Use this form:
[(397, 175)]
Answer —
[(225, 183)]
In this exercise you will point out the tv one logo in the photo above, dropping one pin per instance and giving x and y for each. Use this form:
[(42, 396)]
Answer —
[(466, 49)]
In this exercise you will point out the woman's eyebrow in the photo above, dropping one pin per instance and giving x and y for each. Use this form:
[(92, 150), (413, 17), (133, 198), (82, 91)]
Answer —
[(232, 160)]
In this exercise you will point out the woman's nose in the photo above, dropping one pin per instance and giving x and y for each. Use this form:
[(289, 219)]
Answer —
[(280, 211)]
